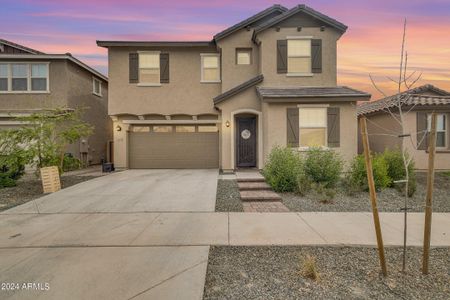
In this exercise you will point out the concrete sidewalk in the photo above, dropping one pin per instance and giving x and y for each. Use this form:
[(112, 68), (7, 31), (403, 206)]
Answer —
[(203, 229)]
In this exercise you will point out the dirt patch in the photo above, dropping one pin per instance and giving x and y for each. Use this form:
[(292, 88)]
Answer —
[(29, 188), (344, 273), (389, 200)]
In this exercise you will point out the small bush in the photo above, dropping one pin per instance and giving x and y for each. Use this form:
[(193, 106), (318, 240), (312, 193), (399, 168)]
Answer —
[(322, 193), (358, 174), (303, 184), (282, 169), (323, 166), (11, 169), (6, 181), (396, 171), (71, 163), (308, 268)]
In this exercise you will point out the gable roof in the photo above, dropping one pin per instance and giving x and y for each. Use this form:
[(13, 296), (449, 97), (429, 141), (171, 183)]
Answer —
[(410, 97), (19, 47), (239, 88), (273, 9), (300, 8)]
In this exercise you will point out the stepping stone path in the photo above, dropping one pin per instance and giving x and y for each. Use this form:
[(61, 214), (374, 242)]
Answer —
[(256, 194)]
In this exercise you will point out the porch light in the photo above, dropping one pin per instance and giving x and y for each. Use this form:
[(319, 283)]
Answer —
[(227, 123), (118, 128)]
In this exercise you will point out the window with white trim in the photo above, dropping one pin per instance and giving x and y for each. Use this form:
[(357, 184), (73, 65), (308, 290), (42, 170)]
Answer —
[(96, 87), (299, 56), (39, 75), (3, 77), (210, 64), (441, 129), (24, 77), (312, 127), (149, 72), (20, 77)]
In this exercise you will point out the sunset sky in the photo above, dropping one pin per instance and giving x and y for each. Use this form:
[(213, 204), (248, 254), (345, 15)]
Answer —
[(371, 45)]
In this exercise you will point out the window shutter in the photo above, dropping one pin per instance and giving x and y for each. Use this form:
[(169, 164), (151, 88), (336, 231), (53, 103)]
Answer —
[(164, 67), (316, 56), (134, 67), (422, 126), (292, 127), (281, 56), (333, 127)]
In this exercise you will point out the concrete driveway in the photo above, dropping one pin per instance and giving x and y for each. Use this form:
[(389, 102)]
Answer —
[(109, 238), (133, 191)]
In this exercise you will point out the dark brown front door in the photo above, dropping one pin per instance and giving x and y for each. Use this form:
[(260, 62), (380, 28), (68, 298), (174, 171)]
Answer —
[(246, 142)]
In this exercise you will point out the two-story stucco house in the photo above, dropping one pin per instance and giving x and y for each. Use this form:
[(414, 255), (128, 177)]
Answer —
[(32, 81), (268, 80)]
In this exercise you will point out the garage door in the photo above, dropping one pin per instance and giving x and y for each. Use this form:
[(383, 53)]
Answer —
[(168, 147)]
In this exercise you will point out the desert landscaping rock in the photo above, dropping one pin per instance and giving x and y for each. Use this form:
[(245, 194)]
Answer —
[(344, 273), (228, 199), (389, 200)]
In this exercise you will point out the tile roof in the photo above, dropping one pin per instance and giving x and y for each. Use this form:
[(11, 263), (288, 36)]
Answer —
[(291, 92), (239, 88), (409, 97)]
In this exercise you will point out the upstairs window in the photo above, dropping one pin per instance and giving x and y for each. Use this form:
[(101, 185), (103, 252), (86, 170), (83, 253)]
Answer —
[(312, 127), (3, 77), (96, 87), (299, 56), (210, 65), (441, 130), (20, 77), (149, 73), (243, 56), (39, 75), (24, 77)]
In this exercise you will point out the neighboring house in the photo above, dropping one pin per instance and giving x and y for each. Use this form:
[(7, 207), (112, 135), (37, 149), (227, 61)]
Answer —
[(419, 103), (268, 80), (32, 81)]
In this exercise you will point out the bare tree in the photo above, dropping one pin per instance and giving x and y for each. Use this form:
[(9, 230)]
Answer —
[(395, 107)]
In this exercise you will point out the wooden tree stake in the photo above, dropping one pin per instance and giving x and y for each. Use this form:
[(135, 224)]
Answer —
[(429, 199), (373, 195)]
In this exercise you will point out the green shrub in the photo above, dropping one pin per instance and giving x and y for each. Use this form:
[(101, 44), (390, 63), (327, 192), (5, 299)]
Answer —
[(71, 163), (11, 169), (323, 166), (282, 169), (322, 193), (304, 184), (396, 171), (358, 174)]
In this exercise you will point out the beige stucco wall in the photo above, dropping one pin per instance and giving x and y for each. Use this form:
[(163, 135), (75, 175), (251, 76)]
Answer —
[(245, 102), (95, 110), (441, 160), (184, 94), (268, 52), (233, 74), (275, 131), (69, 87), (379, 141), (57, 97)]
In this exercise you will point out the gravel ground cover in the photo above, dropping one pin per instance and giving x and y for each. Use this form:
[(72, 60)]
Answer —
[(344, 273), (228, 198), (29, 188), (389, 200)]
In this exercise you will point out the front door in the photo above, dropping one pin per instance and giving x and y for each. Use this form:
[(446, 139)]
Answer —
[(246, 142)]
